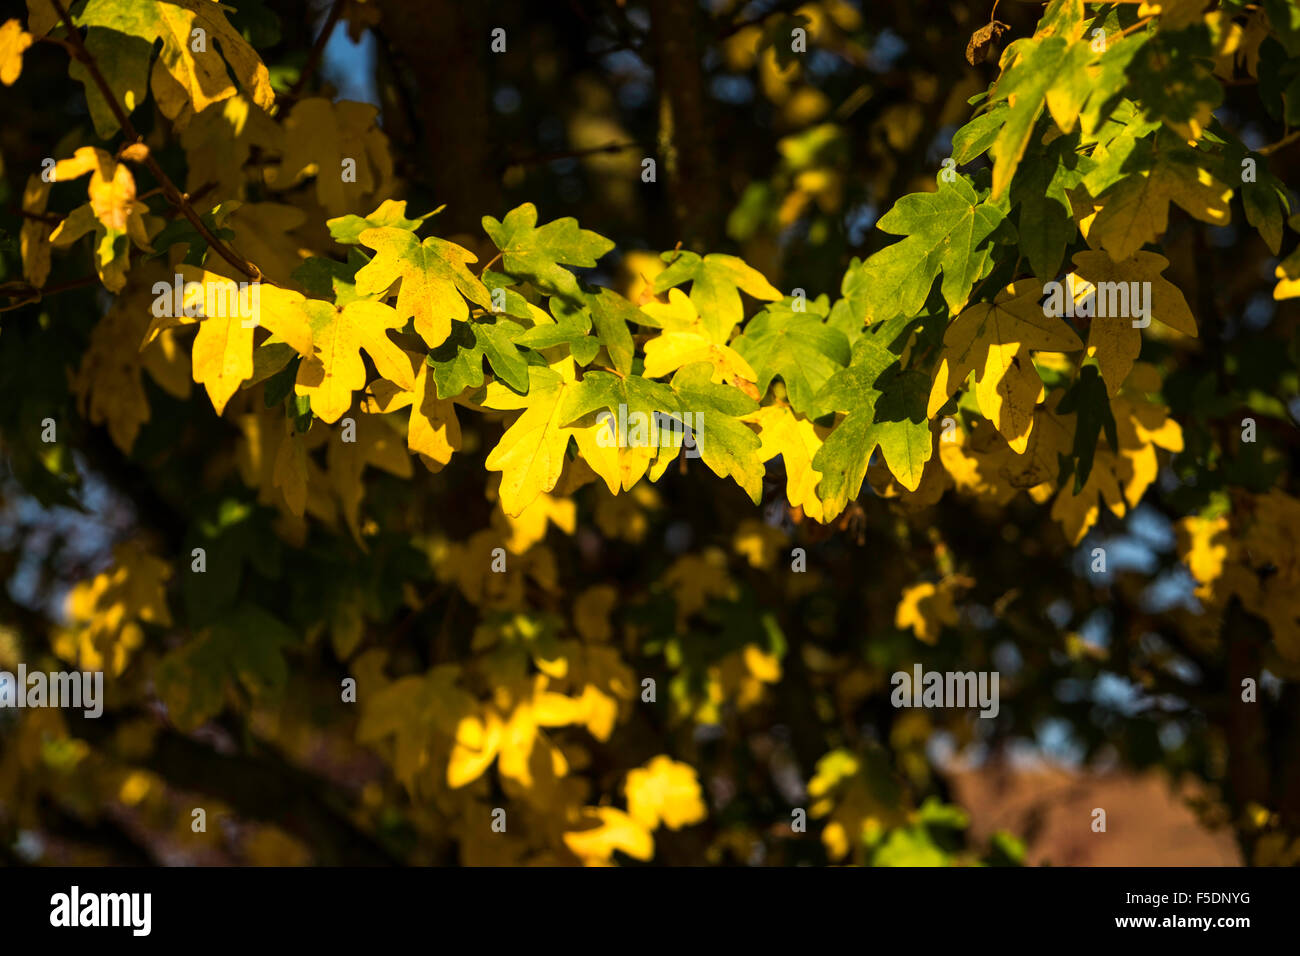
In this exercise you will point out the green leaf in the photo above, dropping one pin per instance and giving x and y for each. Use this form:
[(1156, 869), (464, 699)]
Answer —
[(729, 447), (538, 254), (945, 232), (1048, 73), (599, 390), (610, 314), (570, 328), (886, 408), (1090, 405), (435, 279), (391, 212), (797, 346), (1046, 220), (457, 363)]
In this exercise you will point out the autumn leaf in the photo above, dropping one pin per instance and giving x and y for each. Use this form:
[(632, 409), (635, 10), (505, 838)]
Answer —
[(335, 371), (187, 75), (715, 279), (435, 280), (664, 792), (13, 41), (1114, 339), (994, 340), (1135, 211)]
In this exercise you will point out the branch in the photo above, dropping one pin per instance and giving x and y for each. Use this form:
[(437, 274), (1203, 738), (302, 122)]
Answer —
[(33, 294), (317, 50), (174, 195), (1280, 144), (539, 158)]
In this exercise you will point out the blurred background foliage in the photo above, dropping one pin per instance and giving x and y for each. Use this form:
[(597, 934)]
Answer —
[(772, 687)]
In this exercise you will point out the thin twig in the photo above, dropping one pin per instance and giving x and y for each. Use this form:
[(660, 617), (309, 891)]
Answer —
[(34, 294), (317, 50), (540, 158), (491, 262), (1280, 144), (174, 195)]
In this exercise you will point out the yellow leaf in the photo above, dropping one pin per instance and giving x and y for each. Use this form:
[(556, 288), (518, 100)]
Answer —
[(328, 140), (13, 41), (927, 608), (330, 376), (665, 792), (1113, 339), (188, 75), (796, 440), (34, 237), (609, 829), (1136, 209), (994, 340)]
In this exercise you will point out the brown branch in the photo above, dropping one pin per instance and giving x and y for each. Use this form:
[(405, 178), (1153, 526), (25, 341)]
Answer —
[(34, 294), (174, 195), (317, 50), (539, 158), (1280, 144)]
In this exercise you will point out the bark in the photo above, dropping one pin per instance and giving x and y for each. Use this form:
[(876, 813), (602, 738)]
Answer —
[(443, 46), (686, 147)]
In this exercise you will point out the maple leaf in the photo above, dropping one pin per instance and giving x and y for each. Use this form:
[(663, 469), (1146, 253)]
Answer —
[(530, 455), (390, 213), (994, 339), (113, 215), (621, 396), (1114, 340), (797, 440), (220, 140), (610, 314), (945, 232), (435, 280), (537, 254), (326, 139), (335, 371), (13, 41), (1135, 210), (727, 446), (664, 791), (109, 384), (433, 431), (686, 339), (1047, 72), (186, 75), (715, 279), (886, 408), (223, 349), (799, 347)]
